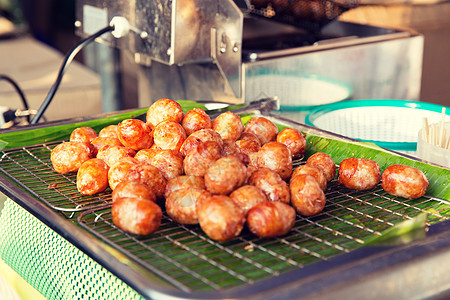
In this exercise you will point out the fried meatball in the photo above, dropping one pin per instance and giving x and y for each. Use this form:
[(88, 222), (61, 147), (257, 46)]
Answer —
[(220, 218), (307, 197), (135, 134), (110, 131), (180, 205), (133, 189), (118, 171), (98, 142), (196, 119), (92, 177), (270, 219), (276, 157), (201, 158), (324, 162), (184, 181), (248, 146), (136, 216), (315, 172), (229, 147), (248, 196), (149, 175), (294, 140), (83, 134), (198, 137), (228, 125), (169, 162), (404, 181), (248, 136), (263, 128), (112, 153), (146, 155), (359, 173), (163, 110), (275, 188), (169, 135), (68, 156), (225, 175)]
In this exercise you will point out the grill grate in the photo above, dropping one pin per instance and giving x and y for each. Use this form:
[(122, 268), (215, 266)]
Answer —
[(31, 168), (188, 259)]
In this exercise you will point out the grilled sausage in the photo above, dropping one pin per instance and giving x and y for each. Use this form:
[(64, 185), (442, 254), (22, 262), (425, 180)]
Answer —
[(248, 196), (307, 197), (404, 181), (83, 134), (276, 157), (180, 205), (315, 172), (184, 181), (275, 188), (198, 137), (149, 175), (228, 125), (92, 177), (110, 131), (163, 110), (263, 128), (359, 173), (118, 171), (68, 156), (270, 219), (135, 134), (294, 140), (220, 218), (225, 175), (201, 158), (194, 120), (136, 216), (169, 135), (112, 153), (324, 162), (133, 189)]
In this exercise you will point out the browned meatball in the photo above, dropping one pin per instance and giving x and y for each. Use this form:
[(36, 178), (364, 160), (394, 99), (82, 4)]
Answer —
[(169, 135), (270, 219), (164, 110), (276, 157), (248, 146), (83, 134), (229, 147), (248, 196), (169, 162), (98, 142), (294, 140), (225, 175), (180, 205), (146, 155), (112, 153), (136, 216), (220, 218), (317, 173), (135, 134), (359, 173), (196, 119), (307, 197), (92, 177), (201, 158), (324, 162), (68, 156), (198, 137), (275, 188), (118, 171), (149, 175), (263, 128), (110, 131), (248, 136), (133, 189), (184, 181), (404, 181), (228, 125)]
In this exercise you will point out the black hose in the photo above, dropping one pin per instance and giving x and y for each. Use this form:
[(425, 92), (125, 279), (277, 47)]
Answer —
[(19, 91)]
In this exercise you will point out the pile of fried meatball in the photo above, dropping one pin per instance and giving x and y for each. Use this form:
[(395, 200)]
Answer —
[(216, 173)]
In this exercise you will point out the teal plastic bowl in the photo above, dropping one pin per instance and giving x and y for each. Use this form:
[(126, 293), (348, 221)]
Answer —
[(391, 124)]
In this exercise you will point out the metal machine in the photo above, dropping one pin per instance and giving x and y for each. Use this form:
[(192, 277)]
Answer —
[(236, 51)]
